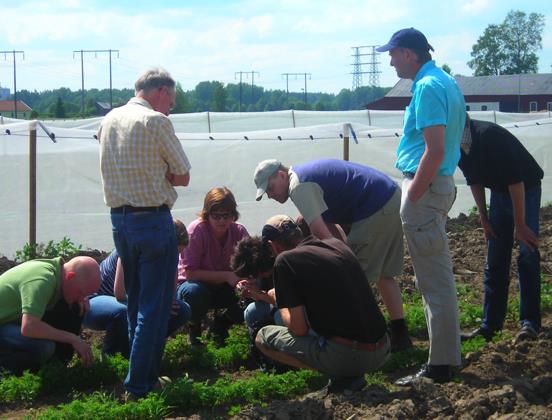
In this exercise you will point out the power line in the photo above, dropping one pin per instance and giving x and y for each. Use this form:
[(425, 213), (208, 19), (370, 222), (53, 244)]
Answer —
[(241, 73), (373, 72), (14, 52), (298, 74), (82, 74)]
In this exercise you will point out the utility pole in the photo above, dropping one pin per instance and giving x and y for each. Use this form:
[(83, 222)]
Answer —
[(82, 74), (252, 85), (298, 74), (14, 52), (357, 66), (241, 73)]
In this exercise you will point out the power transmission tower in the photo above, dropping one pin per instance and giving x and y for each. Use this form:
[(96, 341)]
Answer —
[(298, 74), (13, 52), (82, 74), (373, 72), (241, 73)]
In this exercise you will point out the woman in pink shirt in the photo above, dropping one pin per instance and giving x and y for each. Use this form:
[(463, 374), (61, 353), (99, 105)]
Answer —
[(207, 281)]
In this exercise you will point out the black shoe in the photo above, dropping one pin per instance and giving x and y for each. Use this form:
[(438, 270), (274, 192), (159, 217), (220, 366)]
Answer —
[(486, 333), (399, 341), (194, 335), (526, 333), (340, 384), (439, 374)]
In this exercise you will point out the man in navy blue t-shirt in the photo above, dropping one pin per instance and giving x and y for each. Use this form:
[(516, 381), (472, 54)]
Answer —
[(331, 193)]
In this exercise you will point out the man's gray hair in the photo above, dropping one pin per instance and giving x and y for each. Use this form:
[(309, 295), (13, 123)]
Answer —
[(154, 79)]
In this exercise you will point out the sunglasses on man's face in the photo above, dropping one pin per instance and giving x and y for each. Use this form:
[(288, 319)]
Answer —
[(220, 216)]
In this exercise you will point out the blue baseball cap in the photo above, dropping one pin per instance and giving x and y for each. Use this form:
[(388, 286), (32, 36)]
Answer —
[(407, 38)]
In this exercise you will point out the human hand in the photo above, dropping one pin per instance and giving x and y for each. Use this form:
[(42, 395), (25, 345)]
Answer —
[(169, 176), (231, 278), (526, 236), (249, 289), (84, 306), (84, 351), (488, 230)]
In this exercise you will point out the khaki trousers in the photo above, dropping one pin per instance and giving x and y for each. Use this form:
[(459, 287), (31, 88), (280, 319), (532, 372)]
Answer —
[(424, 229)]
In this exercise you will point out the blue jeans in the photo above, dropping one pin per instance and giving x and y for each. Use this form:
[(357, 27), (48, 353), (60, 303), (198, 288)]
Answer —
[(202, 297), (109, 315), (499, 256), (146, 243), (19, 353), (258, 314)]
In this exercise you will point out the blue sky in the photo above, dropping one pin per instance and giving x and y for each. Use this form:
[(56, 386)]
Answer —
[(212, 40)]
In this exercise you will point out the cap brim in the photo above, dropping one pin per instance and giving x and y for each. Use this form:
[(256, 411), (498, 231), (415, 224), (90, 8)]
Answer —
[(260, 192), (384, 48)]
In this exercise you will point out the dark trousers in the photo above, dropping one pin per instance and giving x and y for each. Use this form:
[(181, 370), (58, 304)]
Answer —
[(499, 256)]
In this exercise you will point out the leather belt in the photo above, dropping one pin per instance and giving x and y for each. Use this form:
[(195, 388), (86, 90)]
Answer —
[(131, 209), (359, 345), (409, 175)]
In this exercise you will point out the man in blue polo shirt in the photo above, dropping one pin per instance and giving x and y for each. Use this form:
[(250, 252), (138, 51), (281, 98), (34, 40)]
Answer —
[(427, 156), (330, 193)]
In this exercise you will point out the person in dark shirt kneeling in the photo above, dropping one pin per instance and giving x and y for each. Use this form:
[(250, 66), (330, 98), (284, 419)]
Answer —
[(332, 323)]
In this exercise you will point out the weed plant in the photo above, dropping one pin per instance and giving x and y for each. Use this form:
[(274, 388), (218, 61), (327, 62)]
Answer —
[(64, 248)]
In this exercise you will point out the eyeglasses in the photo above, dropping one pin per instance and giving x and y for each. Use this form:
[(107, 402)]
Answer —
[(220, 216)]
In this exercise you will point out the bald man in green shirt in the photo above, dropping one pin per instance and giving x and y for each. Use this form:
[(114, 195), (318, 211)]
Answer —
[(27, 291)]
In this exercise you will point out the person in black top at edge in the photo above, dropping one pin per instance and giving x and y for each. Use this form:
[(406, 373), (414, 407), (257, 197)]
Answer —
[(492, 157), (332, 323)]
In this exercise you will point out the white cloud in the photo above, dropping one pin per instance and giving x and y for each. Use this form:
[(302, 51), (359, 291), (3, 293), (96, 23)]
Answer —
[(475, 6)]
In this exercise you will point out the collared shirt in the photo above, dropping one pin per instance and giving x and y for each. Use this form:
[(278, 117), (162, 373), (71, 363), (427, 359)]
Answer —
[(137, 147), (30, 288), (436, 100), (205, 251)]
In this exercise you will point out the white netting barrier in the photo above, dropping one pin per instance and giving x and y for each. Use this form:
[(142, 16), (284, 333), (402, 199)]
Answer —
[(69, 189)]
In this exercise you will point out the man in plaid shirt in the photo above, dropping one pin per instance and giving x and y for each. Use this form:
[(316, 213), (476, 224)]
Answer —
[(141, 162)]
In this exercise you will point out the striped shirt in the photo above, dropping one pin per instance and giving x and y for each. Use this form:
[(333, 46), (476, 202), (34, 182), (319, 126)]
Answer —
[(137, 147)]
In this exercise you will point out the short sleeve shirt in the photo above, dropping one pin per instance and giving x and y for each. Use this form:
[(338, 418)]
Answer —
[(108, 269), (497, 159), (137, 147), (339, 191), (205, 252), (436, 100), (325, 277), (30, 288)]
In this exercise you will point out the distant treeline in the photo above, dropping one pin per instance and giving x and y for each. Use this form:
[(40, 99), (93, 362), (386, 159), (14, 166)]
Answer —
[(206, 96)]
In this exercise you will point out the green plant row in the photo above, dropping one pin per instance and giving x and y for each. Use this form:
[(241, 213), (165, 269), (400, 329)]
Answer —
[(100, 406), (185, 394), (55, 377), (180, 355)]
